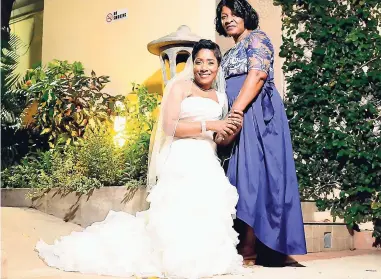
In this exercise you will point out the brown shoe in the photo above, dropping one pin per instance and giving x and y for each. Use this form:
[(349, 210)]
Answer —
[(249, 260)]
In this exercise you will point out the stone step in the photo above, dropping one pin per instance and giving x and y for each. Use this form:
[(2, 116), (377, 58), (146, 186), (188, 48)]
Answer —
[(323, 233), (312, 214), (324, 237)]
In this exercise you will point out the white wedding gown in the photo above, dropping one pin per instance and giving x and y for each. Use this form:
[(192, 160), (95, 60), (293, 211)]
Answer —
[(186, 233)]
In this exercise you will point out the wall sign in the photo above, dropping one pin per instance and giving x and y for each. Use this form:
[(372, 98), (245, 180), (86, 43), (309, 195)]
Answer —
[(116, 15)]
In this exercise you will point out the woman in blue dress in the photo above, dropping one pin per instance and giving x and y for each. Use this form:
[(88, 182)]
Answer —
[(261, 164)]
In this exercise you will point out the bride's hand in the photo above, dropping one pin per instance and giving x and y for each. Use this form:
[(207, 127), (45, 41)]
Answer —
[(225, 127), (236, 114), (235, 117)]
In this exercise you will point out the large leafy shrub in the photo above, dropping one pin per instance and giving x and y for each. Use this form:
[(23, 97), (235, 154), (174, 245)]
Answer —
[(67, 101), (96, 160), (332, 52)]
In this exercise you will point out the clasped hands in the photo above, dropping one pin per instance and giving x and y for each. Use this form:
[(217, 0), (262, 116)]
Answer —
[(229, 127)]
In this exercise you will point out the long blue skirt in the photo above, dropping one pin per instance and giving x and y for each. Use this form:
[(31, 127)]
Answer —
[(263, 170)]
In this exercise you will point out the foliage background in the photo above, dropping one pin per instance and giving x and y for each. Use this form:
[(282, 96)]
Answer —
[(332, 52), (76, 147)]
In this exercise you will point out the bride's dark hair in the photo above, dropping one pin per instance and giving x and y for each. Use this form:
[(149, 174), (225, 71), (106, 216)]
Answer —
[(207, 44)]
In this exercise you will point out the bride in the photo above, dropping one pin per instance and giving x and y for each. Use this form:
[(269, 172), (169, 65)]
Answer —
[(188, 230)]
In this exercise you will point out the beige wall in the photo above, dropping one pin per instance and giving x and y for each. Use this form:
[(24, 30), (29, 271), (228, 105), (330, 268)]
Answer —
[(77, 31), (269, 21), (29, 30), (119, 49)]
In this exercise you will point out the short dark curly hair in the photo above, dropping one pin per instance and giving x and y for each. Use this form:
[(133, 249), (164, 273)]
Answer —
[(240, 8), (207, 44)]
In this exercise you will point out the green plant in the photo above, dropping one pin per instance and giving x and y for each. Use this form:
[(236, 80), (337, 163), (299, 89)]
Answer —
[(14, 140), (139, 110), (65, 173), (136, 155), (68, 101), (42, 171), (332, 52), (28, 172), (140, 118), (94, 162), (101, 158)]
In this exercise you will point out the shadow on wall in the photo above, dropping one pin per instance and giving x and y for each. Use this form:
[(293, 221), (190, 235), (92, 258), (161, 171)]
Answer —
[(155, 84), (35, 47)]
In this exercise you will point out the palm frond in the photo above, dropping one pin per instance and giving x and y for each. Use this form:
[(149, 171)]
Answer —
[(9, 62), (13, 101)]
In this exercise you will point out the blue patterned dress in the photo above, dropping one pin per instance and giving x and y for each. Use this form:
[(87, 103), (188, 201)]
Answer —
[(262, 165)]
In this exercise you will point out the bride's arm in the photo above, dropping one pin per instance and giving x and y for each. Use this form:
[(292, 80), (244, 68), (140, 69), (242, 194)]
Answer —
[(186, 129), (226, 139)]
